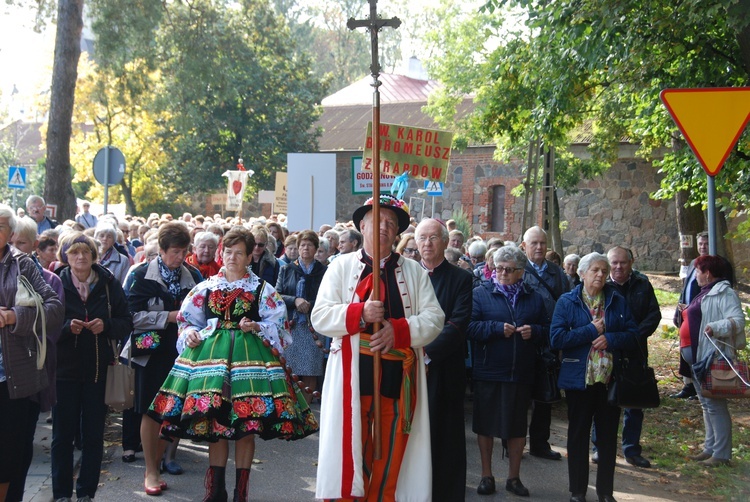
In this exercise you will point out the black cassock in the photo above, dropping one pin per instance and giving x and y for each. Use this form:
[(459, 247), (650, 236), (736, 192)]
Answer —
[(446, 383)]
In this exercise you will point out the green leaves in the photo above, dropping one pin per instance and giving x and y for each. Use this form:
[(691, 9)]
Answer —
[(218, 80), (598, 65)]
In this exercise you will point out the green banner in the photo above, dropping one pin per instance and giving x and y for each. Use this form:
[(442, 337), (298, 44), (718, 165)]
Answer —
[(424, 153)]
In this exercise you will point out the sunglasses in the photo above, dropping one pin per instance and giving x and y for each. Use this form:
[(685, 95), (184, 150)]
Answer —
[(260, 244), (410, 250)]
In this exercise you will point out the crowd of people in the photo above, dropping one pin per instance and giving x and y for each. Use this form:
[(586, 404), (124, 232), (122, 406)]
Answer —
[(235, 328)]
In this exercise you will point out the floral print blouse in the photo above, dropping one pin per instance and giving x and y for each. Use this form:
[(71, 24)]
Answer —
[(271, 307)]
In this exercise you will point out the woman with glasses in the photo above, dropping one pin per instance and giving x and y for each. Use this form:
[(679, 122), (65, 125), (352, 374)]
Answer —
[(508, 322), (407, 247), (264, 263)]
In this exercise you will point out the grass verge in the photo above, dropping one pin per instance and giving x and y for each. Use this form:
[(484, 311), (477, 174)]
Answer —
[(675, 431)]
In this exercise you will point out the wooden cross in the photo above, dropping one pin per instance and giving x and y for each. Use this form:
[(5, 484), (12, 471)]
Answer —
[(374, 24)]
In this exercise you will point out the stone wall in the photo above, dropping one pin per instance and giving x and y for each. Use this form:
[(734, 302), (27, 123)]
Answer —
[(614, 209)]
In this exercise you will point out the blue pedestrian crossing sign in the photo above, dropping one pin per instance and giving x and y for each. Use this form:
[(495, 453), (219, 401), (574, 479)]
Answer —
[(433, 187), (17, 177)]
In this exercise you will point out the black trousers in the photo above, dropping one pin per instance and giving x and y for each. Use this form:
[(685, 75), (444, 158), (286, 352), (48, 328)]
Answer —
[(541, 420), (585, 406), (18, 484), (13, 426)]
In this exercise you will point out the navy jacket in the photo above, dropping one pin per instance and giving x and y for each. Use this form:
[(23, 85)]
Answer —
[(495, 357), (572, 332)]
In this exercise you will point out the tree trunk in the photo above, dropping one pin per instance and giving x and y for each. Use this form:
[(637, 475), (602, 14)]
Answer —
[(58, 188), (127, 194)]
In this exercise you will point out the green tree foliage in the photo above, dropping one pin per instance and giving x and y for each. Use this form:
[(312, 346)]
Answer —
[(219, 80), (108, 114), (562, 64)]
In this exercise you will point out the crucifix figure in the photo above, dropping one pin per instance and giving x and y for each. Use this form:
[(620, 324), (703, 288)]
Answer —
[(374, 24)]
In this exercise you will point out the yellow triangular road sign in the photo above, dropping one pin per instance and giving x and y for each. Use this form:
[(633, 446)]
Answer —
[(711, 119)]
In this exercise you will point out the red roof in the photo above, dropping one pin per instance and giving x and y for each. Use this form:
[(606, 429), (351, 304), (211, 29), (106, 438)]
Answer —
[(393, 89)]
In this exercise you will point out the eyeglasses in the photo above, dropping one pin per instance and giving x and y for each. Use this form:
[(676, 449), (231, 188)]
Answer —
[(410, 250), (507, 270), (432, 238), (260, 244)]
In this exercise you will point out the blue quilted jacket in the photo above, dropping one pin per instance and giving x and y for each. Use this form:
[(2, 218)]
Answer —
[(572, 332)]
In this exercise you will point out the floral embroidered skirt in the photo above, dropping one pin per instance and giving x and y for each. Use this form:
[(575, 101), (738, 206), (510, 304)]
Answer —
[(228, 387)]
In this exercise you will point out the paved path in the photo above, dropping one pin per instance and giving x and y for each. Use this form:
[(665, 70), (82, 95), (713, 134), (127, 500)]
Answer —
[(285, 471)]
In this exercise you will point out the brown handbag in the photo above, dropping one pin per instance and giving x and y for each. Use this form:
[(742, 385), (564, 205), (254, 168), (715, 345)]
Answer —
[(119, 392)]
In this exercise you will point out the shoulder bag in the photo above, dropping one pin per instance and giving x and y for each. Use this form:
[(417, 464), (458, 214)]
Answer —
[(546, 372), (633, 384), (119, 392), (26, 296), (725, 378)]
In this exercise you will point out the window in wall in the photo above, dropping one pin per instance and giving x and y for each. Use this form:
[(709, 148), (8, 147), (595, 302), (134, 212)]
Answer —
[(497, 214)]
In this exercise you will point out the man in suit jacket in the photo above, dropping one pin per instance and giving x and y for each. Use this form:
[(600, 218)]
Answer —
[(446, 372), (548, 280)]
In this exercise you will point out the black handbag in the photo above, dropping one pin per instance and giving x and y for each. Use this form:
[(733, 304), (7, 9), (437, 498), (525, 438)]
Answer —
[(633, 385), (546, 372)]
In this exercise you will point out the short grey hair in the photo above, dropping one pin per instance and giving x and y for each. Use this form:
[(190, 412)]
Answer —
[(536, 229), (105, 227), (589, 259), (478, 249), (325, 244), (444, 234), (206, 236), (572, 258), (32, 199), (7, 212), (26, 227), (512, 254)]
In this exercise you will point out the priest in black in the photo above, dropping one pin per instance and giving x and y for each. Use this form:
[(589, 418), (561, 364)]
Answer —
[(446, 373)]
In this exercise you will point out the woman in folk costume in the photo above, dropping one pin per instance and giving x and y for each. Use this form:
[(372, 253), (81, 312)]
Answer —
[(230, 382), (410, 317)]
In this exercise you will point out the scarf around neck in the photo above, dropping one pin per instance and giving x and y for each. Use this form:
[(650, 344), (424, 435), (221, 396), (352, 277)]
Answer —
[(510, 291), (171, 277), (84, 287)]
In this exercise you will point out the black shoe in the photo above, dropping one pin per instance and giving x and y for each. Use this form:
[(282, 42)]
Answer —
[(128, 458), (693, 398), (687, 392), (595, 457), (606, 498), (486, 486), (548, 454), (638, 461), (515, 486), (578, 497)]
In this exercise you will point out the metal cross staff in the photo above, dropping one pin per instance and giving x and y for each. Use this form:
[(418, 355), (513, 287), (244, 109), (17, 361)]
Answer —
[(374, 24)]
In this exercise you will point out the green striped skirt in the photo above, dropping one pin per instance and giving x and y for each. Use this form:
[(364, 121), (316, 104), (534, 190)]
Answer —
[(228, 387)]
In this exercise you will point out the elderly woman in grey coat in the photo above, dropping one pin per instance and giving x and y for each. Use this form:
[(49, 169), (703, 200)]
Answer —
[(22, 353)]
